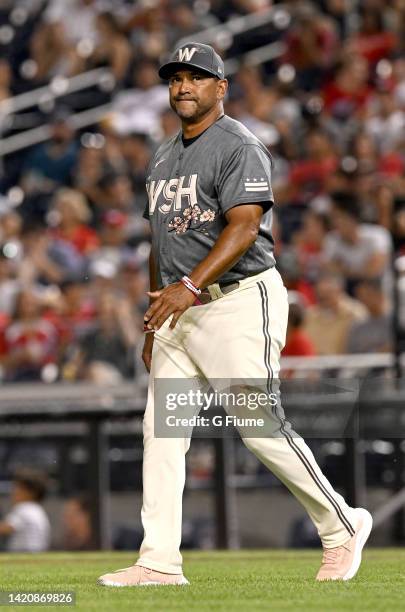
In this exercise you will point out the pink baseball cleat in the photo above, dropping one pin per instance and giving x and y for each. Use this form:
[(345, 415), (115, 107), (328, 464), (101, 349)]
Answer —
[(342, 562), (137, 575)]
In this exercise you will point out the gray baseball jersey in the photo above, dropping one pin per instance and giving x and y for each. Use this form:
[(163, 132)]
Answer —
[(191, 188)]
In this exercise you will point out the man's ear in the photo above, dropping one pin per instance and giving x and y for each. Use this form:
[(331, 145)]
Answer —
[(222, 88)]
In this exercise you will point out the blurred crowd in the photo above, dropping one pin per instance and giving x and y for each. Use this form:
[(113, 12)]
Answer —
[(26, 527), (35, 521), (330, 105)]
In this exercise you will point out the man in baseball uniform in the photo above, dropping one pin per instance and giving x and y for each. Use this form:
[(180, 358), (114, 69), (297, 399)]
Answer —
[(219, 311)]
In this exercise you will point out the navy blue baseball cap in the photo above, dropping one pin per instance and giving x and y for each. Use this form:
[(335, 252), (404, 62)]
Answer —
[(194, 55)]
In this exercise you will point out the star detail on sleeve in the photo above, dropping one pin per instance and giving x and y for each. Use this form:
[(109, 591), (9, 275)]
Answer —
[(256, 184)]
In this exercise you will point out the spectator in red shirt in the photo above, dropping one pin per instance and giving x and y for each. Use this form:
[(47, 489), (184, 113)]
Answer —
[(309, 176), (298, 342), (291, 272), (72, 216), (372, 41), (74, 312), (348, 93), (31, 342), (309, 243)]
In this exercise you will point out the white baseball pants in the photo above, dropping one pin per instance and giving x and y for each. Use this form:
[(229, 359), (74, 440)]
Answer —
[(237, 336)]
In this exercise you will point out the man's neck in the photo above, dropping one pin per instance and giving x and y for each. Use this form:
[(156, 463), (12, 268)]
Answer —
[(195, 129)]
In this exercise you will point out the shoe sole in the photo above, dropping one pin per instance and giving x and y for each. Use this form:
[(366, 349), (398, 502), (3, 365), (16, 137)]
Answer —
[(360, 542), (110, 583)]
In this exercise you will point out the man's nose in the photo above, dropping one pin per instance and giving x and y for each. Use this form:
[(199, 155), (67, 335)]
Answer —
[(185, 86)]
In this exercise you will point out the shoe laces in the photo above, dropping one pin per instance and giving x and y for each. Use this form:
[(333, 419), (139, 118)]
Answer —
[(331, 555)]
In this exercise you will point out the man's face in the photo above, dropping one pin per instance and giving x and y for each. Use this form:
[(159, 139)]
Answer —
[(327, 292), (61, 132), (194, 93), (344, 224), (19, 494)]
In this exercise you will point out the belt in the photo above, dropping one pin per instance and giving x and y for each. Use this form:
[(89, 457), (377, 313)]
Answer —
[(207, 296)]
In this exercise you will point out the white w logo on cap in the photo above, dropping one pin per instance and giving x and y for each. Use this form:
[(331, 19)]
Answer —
[(186, 54)]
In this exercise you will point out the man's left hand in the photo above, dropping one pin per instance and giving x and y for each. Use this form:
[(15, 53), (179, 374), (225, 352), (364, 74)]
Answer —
[(172, 300)]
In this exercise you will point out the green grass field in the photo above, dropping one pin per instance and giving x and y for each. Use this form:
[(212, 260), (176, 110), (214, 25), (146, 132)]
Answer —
[(244, 580)]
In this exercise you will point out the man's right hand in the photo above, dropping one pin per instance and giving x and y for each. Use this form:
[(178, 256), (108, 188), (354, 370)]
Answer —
[(147, 350)]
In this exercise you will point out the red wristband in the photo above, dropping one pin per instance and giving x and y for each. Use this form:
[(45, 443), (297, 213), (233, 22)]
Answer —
[(187, 282)]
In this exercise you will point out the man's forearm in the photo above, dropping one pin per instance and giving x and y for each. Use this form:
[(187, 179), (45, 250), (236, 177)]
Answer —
[(232, 243)]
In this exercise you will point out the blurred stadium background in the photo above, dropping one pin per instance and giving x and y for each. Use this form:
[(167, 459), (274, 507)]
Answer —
[(81, 112)]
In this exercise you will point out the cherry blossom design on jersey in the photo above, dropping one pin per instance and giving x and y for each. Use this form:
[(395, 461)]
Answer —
[(191, 218)]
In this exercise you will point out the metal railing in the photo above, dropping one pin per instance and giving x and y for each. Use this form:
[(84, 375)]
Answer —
[(258, 56), (356, 361), (221, 33), (58, 87), (42, 133), (237, 25)]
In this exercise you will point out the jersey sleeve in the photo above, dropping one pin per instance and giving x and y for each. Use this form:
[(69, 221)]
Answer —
[(15, 518), (246, 178)]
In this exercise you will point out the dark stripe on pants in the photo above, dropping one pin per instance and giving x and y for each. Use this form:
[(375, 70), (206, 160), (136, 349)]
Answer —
[(298, 451)]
